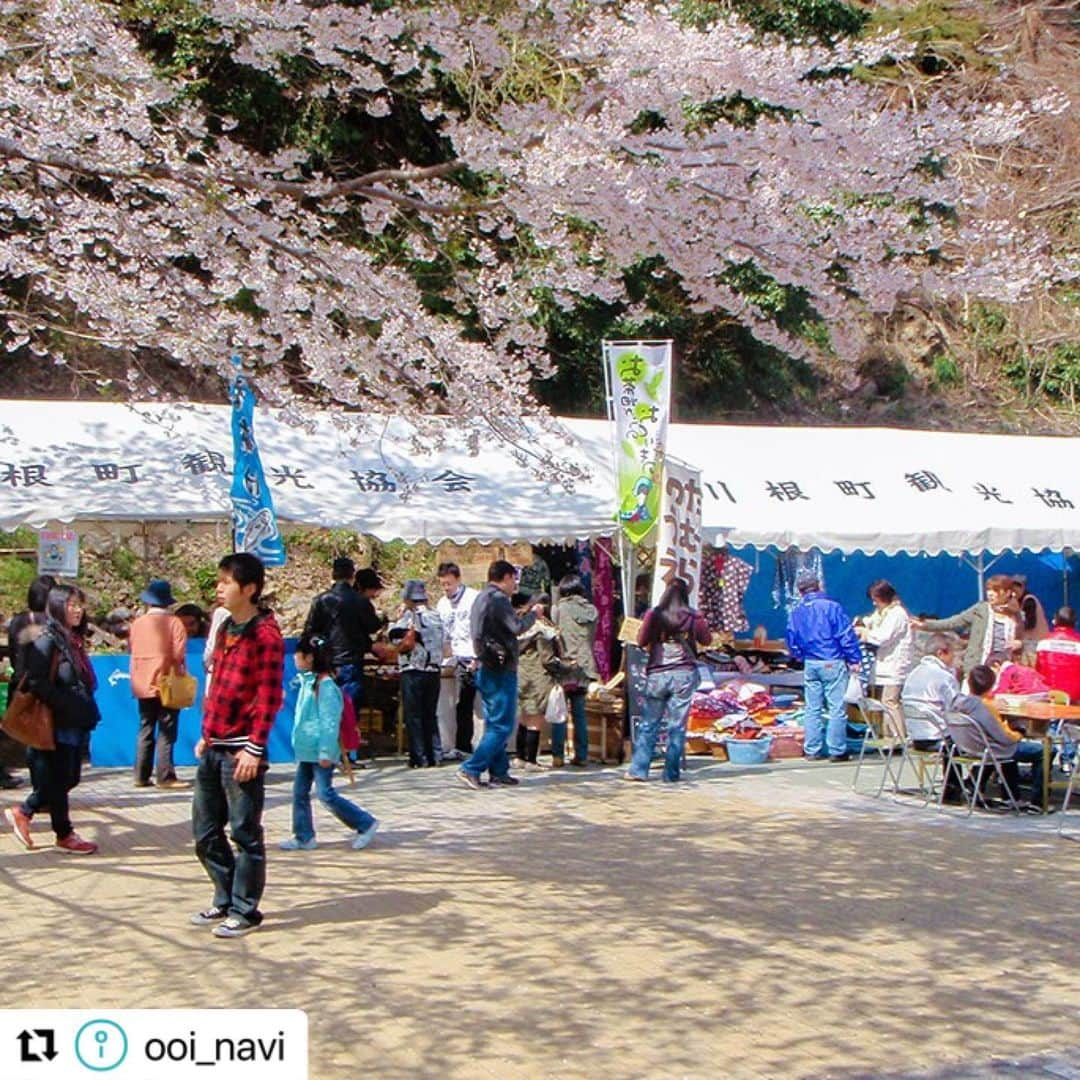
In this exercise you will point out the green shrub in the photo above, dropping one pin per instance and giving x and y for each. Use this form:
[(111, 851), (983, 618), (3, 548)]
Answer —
[(16, 574), (946, 371)]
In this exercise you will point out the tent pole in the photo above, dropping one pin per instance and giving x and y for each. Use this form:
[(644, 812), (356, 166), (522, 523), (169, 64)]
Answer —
[(980, 566)]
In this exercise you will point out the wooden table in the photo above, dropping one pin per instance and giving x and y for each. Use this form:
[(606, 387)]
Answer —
[(1035, 717), (773, 646)]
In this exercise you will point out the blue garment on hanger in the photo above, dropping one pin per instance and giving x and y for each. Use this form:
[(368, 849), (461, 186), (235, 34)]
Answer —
[(790, 562)]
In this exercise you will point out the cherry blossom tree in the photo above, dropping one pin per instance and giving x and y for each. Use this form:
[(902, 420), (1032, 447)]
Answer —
[(132, 215)]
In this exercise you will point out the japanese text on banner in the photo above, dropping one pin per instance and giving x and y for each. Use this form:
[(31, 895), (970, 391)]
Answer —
[(678, 552), (255, 525), (639, 375)]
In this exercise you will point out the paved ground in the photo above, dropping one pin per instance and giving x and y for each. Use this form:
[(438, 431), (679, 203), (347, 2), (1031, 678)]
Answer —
[(744, 924)]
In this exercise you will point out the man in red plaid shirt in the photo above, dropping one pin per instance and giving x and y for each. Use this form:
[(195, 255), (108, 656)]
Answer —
[(241, 704)]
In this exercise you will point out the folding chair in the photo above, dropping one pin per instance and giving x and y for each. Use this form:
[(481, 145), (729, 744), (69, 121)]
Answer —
[(927, 765), (880, 739), (1070, 735), (970, 749)]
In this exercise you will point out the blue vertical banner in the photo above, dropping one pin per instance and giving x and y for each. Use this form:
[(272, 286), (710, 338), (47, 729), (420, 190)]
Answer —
[(255, 527)]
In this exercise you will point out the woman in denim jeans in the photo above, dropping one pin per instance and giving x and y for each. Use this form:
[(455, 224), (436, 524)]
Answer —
[(58, 672), (669, 632)]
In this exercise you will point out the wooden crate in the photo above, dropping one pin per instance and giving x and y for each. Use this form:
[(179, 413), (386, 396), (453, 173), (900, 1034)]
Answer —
[(697, 744), (605, 731)]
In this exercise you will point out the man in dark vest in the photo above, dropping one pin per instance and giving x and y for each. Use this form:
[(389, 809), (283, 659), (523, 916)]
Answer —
[(341, 617)]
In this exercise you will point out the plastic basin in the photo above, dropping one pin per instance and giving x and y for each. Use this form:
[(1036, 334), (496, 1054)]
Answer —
[(748, 751)]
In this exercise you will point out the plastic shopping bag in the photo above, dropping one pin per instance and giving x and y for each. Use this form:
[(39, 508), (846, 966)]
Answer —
[(854, 692), (556, 711)]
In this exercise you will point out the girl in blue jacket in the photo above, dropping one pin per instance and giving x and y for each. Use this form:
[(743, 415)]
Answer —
[(316, 725)]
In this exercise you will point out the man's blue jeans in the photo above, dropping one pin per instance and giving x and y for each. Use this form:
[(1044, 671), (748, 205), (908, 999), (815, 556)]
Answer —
[(218, 799), (667, 697), (498, 693), (348, 813), (350, 677), (1030, 752), (576, 700), (825, 683)]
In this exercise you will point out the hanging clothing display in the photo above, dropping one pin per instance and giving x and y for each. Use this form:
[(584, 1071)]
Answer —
[(785, 594), (584, 559), (603, 596), (724, 581)]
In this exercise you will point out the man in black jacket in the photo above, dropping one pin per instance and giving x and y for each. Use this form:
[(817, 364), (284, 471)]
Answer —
[(495, 629), (342, 617)]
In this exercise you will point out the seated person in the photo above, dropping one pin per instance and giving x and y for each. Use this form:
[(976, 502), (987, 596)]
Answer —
[(1057, 657), (1007, 747), (1014, 678), (930, 686)]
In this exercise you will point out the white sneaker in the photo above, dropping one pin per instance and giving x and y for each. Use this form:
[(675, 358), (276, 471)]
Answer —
[(234, 926), (292, 844), (364, 838)]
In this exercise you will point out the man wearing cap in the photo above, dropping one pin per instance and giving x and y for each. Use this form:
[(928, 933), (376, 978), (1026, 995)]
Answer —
[(343, 618), (419, 637), (158, 644), (820, 634)]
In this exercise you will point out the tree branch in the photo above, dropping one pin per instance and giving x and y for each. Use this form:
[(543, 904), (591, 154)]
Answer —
[(198, 180)]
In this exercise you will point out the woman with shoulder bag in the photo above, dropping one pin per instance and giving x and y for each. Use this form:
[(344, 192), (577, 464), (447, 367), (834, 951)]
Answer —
[(670, 633), (576, 619), (538, 659), (59, 674)]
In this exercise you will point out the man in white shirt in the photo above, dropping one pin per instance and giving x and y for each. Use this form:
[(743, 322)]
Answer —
[(931, 687), (459, 694)]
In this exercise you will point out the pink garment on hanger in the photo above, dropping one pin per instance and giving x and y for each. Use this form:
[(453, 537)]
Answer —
[(603, 595)]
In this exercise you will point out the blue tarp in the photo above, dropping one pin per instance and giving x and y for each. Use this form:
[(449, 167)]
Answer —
[(938, 585), (113, 742)]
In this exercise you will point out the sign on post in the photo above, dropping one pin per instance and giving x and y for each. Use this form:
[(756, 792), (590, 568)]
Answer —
[(58, 552)]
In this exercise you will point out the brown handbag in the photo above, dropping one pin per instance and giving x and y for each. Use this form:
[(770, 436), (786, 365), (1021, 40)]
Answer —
[(177, 690), (28, 719)]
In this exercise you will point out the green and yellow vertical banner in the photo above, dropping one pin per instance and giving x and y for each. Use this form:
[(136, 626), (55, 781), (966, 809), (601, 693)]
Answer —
[(638, 375)]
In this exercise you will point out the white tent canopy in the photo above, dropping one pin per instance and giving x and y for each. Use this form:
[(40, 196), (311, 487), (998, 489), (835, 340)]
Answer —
[(884, 489), (64, 461), (847, 489)]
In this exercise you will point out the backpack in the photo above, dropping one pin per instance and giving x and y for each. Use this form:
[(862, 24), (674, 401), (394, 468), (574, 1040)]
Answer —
[(349, 727), (349, 731)]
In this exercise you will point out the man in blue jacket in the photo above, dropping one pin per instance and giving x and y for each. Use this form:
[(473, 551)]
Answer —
[(820, 634)]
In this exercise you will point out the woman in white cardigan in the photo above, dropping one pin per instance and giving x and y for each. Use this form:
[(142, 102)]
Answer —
[(888, 629)]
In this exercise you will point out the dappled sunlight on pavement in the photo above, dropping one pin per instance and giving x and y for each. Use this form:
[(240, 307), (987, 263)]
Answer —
[(744, 924)]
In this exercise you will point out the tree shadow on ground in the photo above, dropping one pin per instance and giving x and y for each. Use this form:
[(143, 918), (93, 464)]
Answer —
[(572, 928)]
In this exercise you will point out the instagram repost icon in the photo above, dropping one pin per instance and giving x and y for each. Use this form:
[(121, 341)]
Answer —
[(101, 1045)]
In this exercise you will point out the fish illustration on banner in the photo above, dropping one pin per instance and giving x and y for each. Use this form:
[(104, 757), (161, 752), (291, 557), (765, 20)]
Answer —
[(639, 377), (255, 527)]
